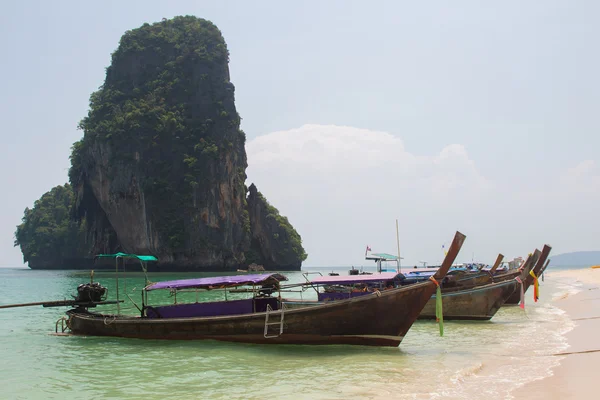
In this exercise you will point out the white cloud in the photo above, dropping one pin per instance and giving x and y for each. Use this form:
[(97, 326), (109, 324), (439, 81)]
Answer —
[(342, 187), (344, 154), (584, 177)]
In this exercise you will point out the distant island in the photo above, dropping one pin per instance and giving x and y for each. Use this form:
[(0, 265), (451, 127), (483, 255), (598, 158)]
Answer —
[(161, 167), (576, 259)]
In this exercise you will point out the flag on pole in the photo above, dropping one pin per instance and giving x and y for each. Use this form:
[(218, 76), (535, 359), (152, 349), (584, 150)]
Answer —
[(444, 250)]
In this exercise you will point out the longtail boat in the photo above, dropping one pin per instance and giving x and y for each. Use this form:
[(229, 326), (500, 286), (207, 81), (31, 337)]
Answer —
[(477, 303), (265, 318), (486, 277), (459, 303), (546, 266), (475, 296), (534, 262), (526, 278)]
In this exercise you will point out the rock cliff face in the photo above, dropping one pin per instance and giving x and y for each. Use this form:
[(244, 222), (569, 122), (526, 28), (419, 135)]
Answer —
[(161, 166)]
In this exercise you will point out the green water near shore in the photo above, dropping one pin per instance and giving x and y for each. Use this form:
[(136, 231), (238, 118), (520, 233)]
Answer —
[(472, 360)]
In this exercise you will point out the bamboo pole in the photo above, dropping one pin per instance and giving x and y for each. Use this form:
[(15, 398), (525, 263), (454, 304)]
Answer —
[(398, 243), (117, 283)]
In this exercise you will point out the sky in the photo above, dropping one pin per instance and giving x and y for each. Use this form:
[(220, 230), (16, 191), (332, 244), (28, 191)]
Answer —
[(472, 116)]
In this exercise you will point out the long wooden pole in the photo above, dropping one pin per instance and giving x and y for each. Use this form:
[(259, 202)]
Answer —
[(117, 284), (37, 303), (56, 303), (398, 243)]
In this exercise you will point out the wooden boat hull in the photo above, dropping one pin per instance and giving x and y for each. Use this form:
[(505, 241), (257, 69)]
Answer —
[(485, 279), (515, 299), (378, 319), (478, 303)]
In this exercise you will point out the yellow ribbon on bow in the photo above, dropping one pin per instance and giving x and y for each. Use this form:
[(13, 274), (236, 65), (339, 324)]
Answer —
[(536, 287)]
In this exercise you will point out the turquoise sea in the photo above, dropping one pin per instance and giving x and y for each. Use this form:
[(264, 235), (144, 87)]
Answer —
[(472, 360)]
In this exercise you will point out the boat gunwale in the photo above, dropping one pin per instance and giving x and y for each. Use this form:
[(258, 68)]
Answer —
[(462, 291)]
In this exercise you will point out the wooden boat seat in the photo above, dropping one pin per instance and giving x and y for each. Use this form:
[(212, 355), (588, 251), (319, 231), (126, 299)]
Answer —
[(333, 296)]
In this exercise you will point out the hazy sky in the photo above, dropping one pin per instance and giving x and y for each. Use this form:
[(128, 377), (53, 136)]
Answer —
[(467, 115)]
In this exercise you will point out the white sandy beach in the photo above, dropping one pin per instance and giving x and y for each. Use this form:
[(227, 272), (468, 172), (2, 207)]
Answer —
[(575, 377)]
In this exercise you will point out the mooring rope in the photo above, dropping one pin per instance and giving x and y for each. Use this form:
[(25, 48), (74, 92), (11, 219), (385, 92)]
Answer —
[(584, 318), (576, 352)]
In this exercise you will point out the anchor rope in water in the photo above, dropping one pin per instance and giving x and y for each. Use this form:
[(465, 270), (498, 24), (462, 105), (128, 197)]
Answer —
[(584, 318), (439, 315), (577, 352)]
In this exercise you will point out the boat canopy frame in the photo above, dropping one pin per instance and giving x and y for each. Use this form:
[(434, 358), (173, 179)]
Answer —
[(143, 259), (219, 282)]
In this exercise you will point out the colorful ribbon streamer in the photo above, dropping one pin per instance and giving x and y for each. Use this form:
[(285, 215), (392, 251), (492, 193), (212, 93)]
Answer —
[(536, 287), (439, 314)]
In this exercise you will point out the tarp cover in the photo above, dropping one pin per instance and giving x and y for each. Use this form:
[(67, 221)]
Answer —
[(215, 282), (125, 255), (350, 279)]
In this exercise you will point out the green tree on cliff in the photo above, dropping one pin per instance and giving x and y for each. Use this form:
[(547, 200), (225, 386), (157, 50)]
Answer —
[(47, 231), (289, 238)]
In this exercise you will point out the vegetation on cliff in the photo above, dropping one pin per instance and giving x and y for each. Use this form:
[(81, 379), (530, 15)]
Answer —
[(291, 242), (47, 233), (275, 242)]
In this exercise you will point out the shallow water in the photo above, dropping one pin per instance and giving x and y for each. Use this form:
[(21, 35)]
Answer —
[(471, 360)]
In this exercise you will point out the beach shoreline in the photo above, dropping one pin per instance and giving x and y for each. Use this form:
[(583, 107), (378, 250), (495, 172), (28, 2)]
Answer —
[(573, 377)]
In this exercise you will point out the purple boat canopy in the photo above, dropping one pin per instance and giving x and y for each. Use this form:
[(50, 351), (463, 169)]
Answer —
[(351, 279), (219, 282)]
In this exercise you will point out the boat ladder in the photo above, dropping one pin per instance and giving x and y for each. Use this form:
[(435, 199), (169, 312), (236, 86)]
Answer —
[(65, 323), (281, 314)]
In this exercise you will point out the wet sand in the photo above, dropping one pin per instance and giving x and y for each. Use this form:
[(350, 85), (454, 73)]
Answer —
[(577, 375)]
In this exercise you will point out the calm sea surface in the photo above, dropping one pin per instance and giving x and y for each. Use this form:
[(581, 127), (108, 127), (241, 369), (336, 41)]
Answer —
[(473, 359)]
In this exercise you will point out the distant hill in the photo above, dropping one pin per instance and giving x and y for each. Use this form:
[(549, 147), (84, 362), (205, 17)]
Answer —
[(577, 258)]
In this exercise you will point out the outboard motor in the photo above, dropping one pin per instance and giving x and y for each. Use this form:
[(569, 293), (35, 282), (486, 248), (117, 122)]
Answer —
[(90, 292)]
